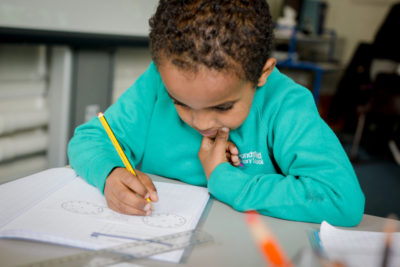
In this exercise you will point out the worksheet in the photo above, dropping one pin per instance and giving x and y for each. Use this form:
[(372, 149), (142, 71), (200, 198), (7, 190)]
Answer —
[(358, 248), (77, 215)]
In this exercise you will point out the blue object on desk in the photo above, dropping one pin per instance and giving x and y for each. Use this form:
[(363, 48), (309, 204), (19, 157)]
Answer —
[(315, 242)]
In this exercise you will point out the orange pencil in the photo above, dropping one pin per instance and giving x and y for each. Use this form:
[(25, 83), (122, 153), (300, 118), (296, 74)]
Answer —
[(389, 228), (268, 245)]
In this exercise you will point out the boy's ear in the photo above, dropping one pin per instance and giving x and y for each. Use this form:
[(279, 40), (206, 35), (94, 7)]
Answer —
[(266, 71)]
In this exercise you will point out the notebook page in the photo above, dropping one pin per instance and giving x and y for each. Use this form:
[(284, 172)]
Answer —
[(77, 215), (20, 195), (358, 248)]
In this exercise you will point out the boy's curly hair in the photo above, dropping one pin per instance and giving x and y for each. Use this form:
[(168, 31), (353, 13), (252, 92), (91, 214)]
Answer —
[(225, 35)]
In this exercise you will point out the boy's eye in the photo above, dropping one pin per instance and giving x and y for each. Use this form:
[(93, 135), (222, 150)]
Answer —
[(217, 108), (178, 103), (223, 108)]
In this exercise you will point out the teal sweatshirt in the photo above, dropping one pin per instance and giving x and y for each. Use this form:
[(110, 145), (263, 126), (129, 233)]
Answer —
[(294, 166)]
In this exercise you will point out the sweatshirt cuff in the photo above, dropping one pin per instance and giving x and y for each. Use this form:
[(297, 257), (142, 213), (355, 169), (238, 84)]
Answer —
[(227, 182)]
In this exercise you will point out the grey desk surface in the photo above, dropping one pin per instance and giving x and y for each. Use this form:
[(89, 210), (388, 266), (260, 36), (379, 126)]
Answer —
[(232, 246)]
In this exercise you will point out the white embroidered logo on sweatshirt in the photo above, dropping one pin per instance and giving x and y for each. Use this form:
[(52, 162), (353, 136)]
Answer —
[(253, 157)]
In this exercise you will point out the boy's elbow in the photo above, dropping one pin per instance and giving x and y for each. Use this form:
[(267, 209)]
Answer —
[(350, 211), (356, 211)]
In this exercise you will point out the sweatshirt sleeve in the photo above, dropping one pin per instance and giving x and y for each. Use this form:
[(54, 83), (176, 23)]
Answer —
[(90, 150), (314, 180)]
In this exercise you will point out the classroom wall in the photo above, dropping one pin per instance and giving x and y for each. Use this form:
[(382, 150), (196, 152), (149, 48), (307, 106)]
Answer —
[(130, 63), (356, 21), (353, 20), (25, 117), (120, 17), (24, 112)]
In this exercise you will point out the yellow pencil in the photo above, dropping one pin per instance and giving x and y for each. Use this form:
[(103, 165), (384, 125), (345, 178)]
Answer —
[(114, 140)]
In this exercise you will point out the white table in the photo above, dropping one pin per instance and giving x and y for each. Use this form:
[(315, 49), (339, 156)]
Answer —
[(232, 246)]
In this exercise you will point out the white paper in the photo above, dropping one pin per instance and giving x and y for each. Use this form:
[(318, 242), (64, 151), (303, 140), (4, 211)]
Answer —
[(358, 248), (77, 215), (20, 195)]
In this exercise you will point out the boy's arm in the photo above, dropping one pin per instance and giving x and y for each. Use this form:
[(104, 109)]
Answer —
[(317, 181), (91, 152)]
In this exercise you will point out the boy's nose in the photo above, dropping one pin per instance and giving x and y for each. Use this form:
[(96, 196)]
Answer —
[(202, 120)]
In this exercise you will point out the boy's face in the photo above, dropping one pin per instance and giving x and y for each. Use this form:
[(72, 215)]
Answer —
[(208, 100)]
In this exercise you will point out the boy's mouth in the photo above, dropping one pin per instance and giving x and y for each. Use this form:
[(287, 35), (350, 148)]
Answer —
[(209, 133)]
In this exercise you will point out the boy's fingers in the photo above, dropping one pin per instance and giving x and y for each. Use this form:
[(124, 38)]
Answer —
[(123, 176), (232, 148), (121, 207), (235, 160), (122, 191), (222, 139), (133, 183), (148, 183), (206, 143), (129, 198), (120, 198)]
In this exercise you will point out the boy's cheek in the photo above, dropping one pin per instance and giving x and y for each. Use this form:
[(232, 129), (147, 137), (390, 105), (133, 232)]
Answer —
[(184, 115)]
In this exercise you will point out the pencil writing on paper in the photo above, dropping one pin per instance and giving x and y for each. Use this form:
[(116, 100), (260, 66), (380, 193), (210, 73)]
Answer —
[(114, 140)]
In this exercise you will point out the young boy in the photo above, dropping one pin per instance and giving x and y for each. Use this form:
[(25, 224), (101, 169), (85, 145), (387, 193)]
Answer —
[(212, 110)]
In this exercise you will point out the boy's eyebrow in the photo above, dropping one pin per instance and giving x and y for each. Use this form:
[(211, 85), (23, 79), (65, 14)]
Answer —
[(219, 105)]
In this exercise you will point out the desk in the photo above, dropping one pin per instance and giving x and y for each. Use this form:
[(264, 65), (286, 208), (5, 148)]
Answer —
[(233, 245)]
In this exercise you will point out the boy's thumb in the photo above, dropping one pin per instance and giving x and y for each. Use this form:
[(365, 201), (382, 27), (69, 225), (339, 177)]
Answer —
[(222, 138)]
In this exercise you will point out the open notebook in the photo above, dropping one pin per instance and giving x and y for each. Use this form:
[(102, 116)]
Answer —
[(357, 248), (59, 207)]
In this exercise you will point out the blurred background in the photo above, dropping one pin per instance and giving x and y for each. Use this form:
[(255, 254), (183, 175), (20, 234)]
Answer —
[(62, 62)]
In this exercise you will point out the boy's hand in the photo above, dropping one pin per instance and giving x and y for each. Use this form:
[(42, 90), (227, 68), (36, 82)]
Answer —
[(127, 193), (233, 154), (214, 152)]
